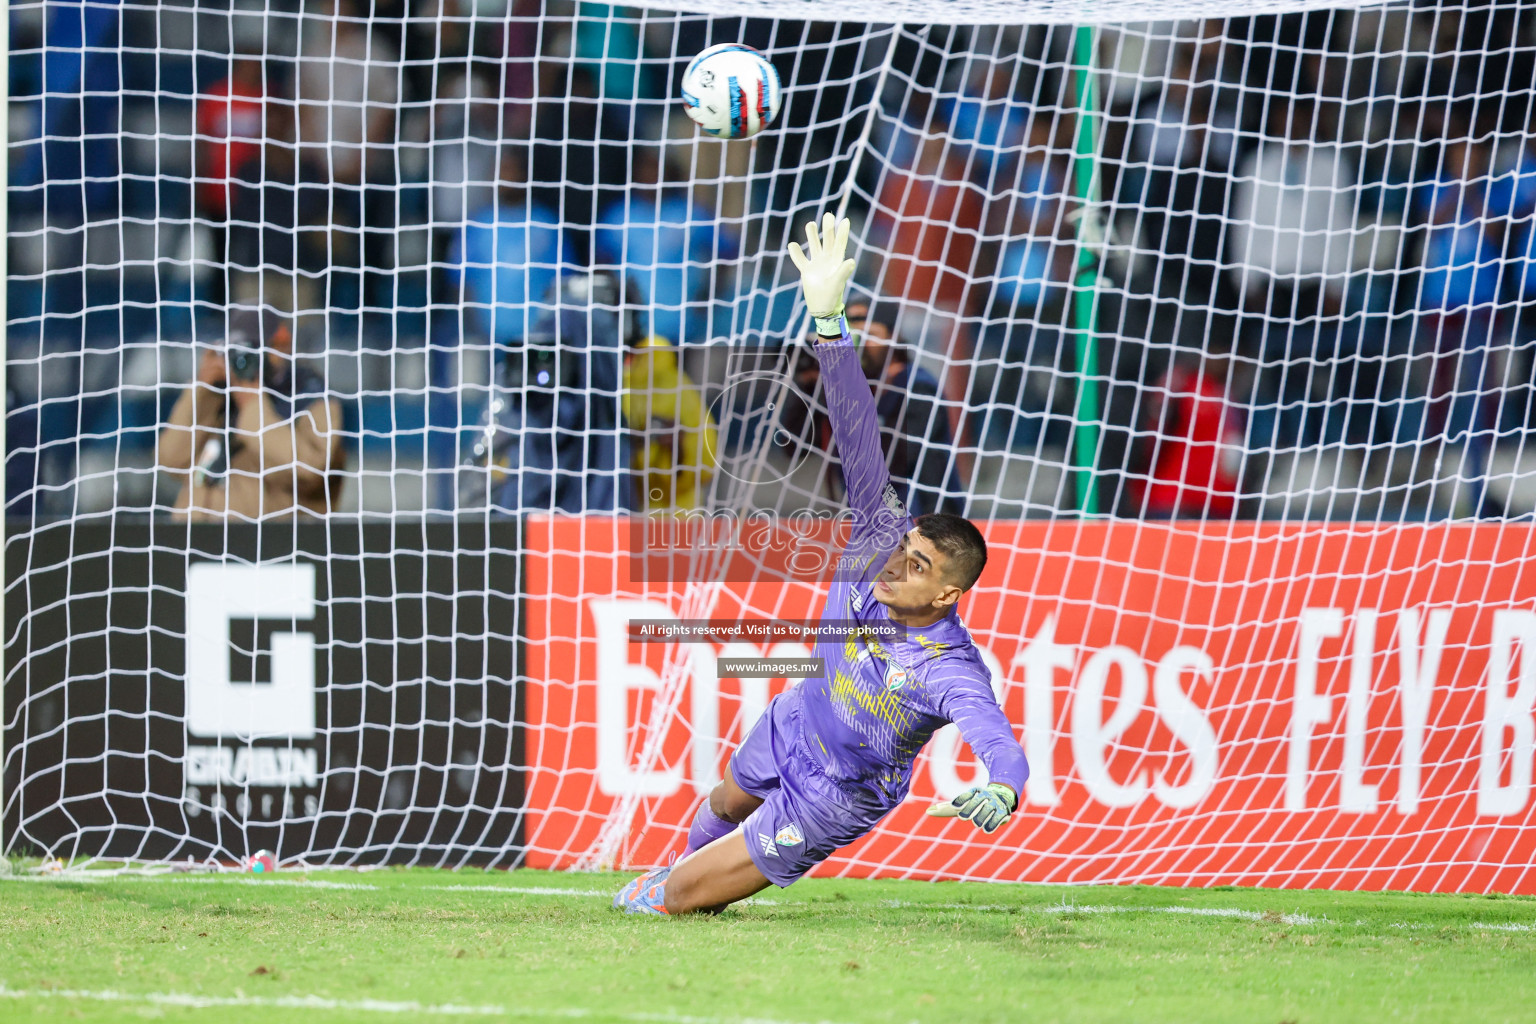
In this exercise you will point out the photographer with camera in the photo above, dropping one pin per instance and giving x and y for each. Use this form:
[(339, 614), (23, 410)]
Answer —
[(253, 437), (553, 435)]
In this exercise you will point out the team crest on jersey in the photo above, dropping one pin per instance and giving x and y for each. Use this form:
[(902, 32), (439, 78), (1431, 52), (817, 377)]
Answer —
[(896, 677), (893, 501), (769, 850), (789, 835)]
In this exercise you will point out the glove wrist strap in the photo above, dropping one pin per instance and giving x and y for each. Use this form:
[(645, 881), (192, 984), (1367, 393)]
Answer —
[(831, 325)]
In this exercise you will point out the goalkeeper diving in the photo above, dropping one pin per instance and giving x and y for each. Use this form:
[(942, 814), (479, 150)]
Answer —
[(833, 756)]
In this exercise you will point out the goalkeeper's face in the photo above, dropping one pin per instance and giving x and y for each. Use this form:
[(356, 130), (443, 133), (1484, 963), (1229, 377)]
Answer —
[(915, 582)]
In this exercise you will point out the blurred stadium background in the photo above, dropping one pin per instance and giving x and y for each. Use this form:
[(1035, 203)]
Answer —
[(118, 255)]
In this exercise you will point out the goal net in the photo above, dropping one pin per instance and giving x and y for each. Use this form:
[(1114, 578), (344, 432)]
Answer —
[(410, 428)]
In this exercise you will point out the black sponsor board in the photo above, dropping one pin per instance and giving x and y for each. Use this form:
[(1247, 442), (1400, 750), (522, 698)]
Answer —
[(373, 721)]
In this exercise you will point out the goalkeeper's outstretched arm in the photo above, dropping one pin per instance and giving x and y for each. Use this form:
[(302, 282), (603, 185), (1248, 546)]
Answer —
[(879, 518)]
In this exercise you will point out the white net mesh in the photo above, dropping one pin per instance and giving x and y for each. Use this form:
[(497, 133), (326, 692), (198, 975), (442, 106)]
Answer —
[(1219, 328), (1010, 12)]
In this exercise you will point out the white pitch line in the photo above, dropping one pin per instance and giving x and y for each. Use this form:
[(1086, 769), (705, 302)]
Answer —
[(307, 883), (537, 890), (517, 890), (412, 1008), (1070, 908), (1227, 912), (316, 883), (1244, 915), (86, 876)]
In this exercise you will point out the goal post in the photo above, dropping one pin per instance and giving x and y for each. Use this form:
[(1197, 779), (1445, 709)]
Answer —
[(1219, 326), (5, 89), (1085, 302)]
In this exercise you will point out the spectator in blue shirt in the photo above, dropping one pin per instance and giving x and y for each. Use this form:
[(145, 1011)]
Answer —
[(1459, 295), (1512, 195), (1016, 381), (668, 245), (1034, 264), (508, 255), (1462, 245), (987, 125), (1523, 265), (1512, 182), (1459, 286)]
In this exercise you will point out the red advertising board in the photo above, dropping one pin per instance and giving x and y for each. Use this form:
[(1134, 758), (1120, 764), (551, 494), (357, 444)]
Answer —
[(1319, 705)]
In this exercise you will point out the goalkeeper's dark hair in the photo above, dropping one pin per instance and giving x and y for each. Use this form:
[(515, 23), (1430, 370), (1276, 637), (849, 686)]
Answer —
[(961, 544)]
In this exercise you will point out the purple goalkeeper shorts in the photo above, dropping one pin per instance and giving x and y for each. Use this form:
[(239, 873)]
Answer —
[(805, 816)]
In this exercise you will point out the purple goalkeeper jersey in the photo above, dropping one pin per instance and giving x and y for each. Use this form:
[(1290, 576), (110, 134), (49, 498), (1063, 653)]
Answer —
[(879, 701)]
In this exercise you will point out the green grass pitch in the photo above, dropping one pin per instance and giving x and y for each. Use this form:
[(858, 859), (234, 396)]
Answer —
[(437, 945)]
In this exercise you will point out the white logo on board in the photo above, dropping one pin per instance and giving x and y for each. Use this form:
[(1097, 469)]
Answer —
[(221, 708), (216, 705)]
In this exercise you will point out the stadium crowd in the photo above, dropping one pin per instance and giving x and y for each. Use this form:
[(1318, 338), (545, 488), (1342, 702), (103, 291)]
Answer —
[(1306, 238)]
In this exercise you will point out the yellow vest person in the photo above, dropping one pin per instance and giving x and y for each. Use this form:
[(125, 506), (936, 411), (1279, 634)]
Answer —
[(678, 456)]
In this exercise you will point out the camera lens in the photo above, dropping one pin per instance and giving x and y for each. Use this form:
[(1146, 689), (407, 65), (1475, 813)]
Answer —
[(243, 364)]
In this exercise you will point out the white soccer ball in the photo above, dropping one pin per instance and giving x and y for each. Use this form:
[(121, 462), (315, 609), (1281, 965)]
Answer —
[(731, 91)]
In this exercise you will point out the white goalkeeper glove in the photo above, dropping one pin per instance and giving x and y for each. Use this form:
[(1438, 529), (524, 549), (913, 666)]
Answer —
[(825, 273), (987, 807)]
